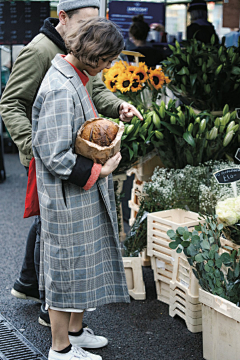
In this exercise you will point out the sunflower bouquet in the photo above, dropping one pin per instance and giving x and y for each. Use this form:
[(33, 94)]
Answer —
[(138, 85)]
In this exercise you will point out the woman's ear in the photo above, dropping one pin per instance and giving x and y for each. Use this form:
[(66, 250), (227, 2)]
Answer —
[(62, 17)]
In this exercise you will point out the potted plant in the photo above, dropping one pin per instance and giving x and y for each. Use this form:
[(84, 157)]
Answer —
[(204, 75)]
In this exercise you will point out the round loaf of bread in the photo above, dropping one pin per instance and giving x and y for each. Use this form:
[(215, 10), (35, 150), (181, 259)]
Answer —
[(101, 132)]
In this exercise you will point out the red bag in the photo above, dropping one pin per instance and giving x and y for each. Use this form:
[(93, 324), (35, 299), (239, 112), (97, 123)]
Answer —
[(31, 200)]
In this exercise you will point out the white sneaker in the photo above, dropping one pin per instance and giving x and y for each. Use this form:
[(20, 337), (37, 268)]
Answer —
[(88, 340), (75, 353)]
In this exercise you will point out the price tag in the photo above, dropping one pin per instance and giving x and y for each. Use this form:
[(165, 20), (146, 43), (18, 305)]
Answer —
[(228, 176)]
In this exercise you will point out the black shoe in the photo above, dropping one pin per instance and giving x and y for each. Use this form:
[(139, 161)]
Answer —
[(44, 317), (25, 291), (45, 320)]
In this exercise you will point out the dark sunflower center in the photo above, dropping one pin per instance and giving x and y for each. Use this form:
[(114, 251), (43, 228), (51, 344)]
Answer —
[(135, 84), (141, 76), (126, 83), (155, 80)]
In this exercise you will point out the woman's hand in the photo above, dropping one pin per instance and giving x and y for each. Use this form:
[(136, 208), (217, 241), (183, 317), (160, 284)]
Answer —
[(110, 165)]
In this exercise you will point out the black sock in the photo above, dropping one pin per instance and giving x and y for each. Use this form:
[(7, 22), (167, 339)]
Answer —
[(66, 350), (75, 333)]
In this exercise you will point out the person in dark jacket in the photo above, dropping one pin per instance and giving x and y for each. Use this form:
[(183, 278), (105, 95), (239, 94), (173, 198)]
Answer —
[(138, 33), (200, 28)]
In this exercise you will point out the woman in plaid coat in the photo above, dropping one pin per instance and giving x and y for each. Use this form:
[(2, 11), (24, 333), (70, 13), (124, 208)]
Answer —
[(81, 264)]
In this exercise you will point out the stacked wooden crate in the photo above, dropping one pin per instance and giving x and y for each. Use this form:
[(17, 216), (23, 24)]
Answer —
[(162, 257), (184, 294)]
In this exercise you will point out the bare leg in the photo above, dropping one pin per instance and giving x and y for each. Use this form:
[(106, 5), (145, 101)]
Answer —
[(59, 327), (75, 323)]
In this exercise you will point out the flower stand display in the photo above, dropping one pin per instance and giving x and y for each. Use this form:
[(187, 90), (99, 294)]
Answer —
[(220, 327), (184, 294), (162, 257), (134, 276)]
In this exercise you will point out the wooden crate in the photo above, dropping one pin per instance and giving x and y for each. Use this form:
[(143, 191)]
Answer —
[(162, 257), (134, 277)]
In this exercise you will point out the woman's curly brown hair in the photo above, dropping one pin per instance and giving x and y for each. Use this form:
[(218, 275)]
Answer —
[(96, 38)]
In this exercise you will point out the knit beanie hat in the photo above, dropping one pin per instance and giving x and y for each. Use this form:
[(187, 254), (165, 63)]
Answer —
[(68, 5), (197, 5)]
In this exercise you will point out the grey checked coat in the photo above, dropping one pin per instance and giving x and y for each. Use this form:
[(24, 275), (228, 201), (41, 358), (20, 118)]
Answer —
[(81, 265)]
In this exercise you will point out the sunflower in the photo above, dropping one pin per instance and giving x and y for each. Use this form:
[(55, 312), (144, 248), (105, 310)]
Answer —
[(167, 80), (111, 84), (124, 82), (113, 73), (136, 84), (141, 73), (131, 68), (142, 65), (157, 78)]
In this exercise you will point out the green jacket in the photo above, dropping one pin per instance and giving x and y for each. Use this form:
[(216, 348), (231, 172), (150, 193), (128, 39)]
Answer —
[(18, 97)]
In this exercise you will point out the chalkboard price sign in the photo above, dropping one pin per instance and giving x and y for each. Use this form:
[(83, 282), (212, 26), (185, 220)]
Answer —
[(20, 21), (227, 176)]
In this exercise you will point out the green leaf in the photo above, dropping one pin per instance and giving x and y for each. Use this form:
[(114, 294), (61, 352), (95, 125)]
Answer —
[(186, 235), (205, 245), (180, 230), (219, 291), (211, 240), (179, 250), (174, 129), (218, 263), (189, 139), (205, 255), (210, 263), (173, 245), (135, 148), (225, 258), (207, 268), (191, 250), (185, 243), (195, 239), (182, 71), (220, 227), (171, 233), (198, 227), (199, 258), (193, 79), (236, 70), (237, 270)]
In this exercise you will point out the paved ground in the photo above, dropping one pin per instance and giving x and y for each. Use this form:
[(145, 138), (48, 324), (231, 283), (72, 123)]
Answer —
[(141, 330)]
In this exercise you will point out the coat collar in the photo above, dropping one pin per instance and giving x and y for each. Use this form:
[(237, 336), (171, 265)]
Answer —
[(65, 68)]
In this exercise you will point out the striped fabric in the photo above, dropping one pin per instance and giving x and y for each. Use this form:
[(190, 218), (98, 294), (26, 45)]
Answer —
[(81, 265)]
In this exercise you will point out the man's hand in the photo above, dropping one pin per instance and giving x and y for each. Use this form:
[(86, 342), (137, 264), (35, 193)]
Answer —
[(110, 165), (128, 111)]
